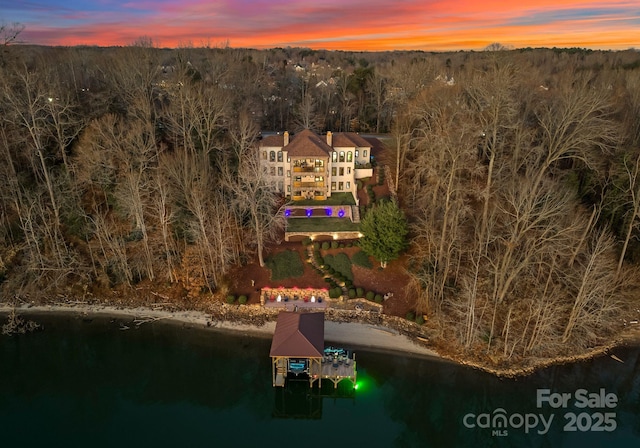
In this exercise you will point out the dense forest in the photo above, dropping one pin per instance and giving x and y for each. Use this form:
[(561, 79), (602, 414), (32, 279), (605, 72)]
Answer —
[(519, 172)]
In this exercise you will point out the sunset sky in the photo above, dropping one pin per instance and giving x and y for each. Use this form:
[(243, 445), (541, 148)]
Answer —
[(372, 25)]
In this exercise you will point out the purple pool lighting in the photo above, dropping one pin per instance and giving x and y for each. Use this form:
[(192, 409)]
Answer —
[(341, 213), (287, 212), (309, 212), (329, 211)]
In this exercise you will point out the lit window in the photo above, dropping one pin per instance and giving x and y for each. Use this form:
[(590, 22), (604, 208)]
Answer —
[(334, 156), (333, 186), (342, 156), (349, 156), (348, 185), (357, 153)]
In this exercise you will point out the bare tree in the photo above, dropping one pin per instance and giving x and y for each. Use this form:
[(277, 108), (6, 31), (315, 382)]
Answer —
[(117, 155), (492, 97), (209, 220), (113, 248), (632, 171), (377, 87), (9, 32), (596, 288), (306, 114), (255, 195), (575, 125), (346, 102), (496, 46), (165, 215), (30, 113)]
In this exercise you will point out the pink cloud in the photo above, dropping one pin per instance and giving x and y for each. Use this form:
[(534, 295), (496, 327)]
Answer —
[(355, 25)]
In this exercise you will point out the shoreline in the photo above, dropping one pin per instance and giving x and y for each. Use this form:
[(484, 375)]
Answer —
[(362, 335), (369, 336)]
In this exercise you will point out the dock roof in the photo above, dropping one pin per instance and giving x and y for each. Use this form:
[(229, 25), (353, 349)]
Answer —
[(298, 335)]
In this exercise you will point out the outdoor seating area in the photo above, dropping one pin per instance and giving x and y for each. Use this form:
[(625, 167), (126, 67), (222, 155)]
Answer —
[(337, 357), (294, 298), (338, 364)]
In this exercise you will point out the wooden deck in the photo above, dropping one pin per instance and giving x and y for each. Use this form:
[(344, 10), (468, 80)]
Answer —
[(335, 371)]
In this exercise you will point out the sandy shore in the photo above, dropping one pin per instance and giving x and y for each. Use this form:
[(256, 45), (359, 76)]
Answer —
[(351, 334)]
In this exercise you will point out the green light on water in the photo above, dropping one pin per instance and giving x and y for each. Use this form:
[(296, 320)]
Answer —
[(363, 384)]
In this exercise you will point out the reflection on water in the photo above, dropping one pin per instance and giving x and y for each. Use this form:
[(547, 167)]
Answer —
[(88, 383), (297, 400)]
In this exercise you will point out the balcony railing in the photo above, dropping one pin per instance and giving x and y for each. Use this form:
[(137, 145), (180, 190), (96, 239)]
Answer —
[(315, 198), (308, 184), (309, 169)]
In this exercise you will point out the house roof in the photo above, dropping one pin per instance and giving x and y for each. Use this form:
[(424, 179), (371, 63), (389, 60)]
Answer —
[(298, 335), (377, 147), (272, 140), (308, 143), (349, 139)]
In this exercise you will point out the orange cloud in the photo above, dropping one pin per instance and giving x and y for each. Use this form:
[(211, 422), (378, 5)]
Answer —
[(431, 25)]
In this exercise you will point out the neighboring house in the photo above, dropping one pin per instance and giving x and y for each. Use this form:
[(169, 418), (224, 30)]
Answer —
[(309, 166)]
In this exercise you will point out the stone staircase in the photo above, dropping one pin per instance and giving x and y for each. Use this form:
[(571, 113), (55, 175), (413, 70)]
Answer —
[(355, 213), (345, 290)]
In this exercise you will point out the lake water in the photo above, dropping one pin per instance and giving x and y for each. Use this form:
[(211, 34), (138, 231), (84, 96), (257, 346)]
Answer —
[(86, 383)]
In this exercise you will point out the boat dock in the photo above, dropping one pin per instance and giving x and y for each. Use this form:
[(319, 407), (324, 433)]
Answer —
[(298, 352)]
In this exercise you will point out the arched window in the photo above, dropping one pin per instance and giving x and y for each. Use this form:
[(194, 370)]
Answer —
[(272, 156), (264, 155), (349, 156), (279, 156)]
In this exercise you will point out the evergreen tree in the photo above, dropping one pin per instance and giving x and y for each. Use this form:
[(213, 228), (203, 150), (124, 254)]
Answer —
[(385, 229)]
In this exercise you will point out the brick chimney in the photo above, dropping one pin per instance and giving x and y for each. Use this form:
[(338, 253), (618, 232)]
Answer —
[(286, 138), (329, 138)]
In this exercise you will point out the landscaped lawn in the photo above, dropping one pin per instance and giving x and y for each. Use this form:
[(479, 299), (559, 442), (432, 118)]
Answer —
[(321, 225), (285, 265), (335, 199), (340, 263)]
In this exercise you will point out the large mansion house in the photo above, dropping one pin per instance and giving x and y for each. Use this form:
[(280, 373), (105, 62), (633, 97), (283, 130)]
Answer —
[(309, 166)]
